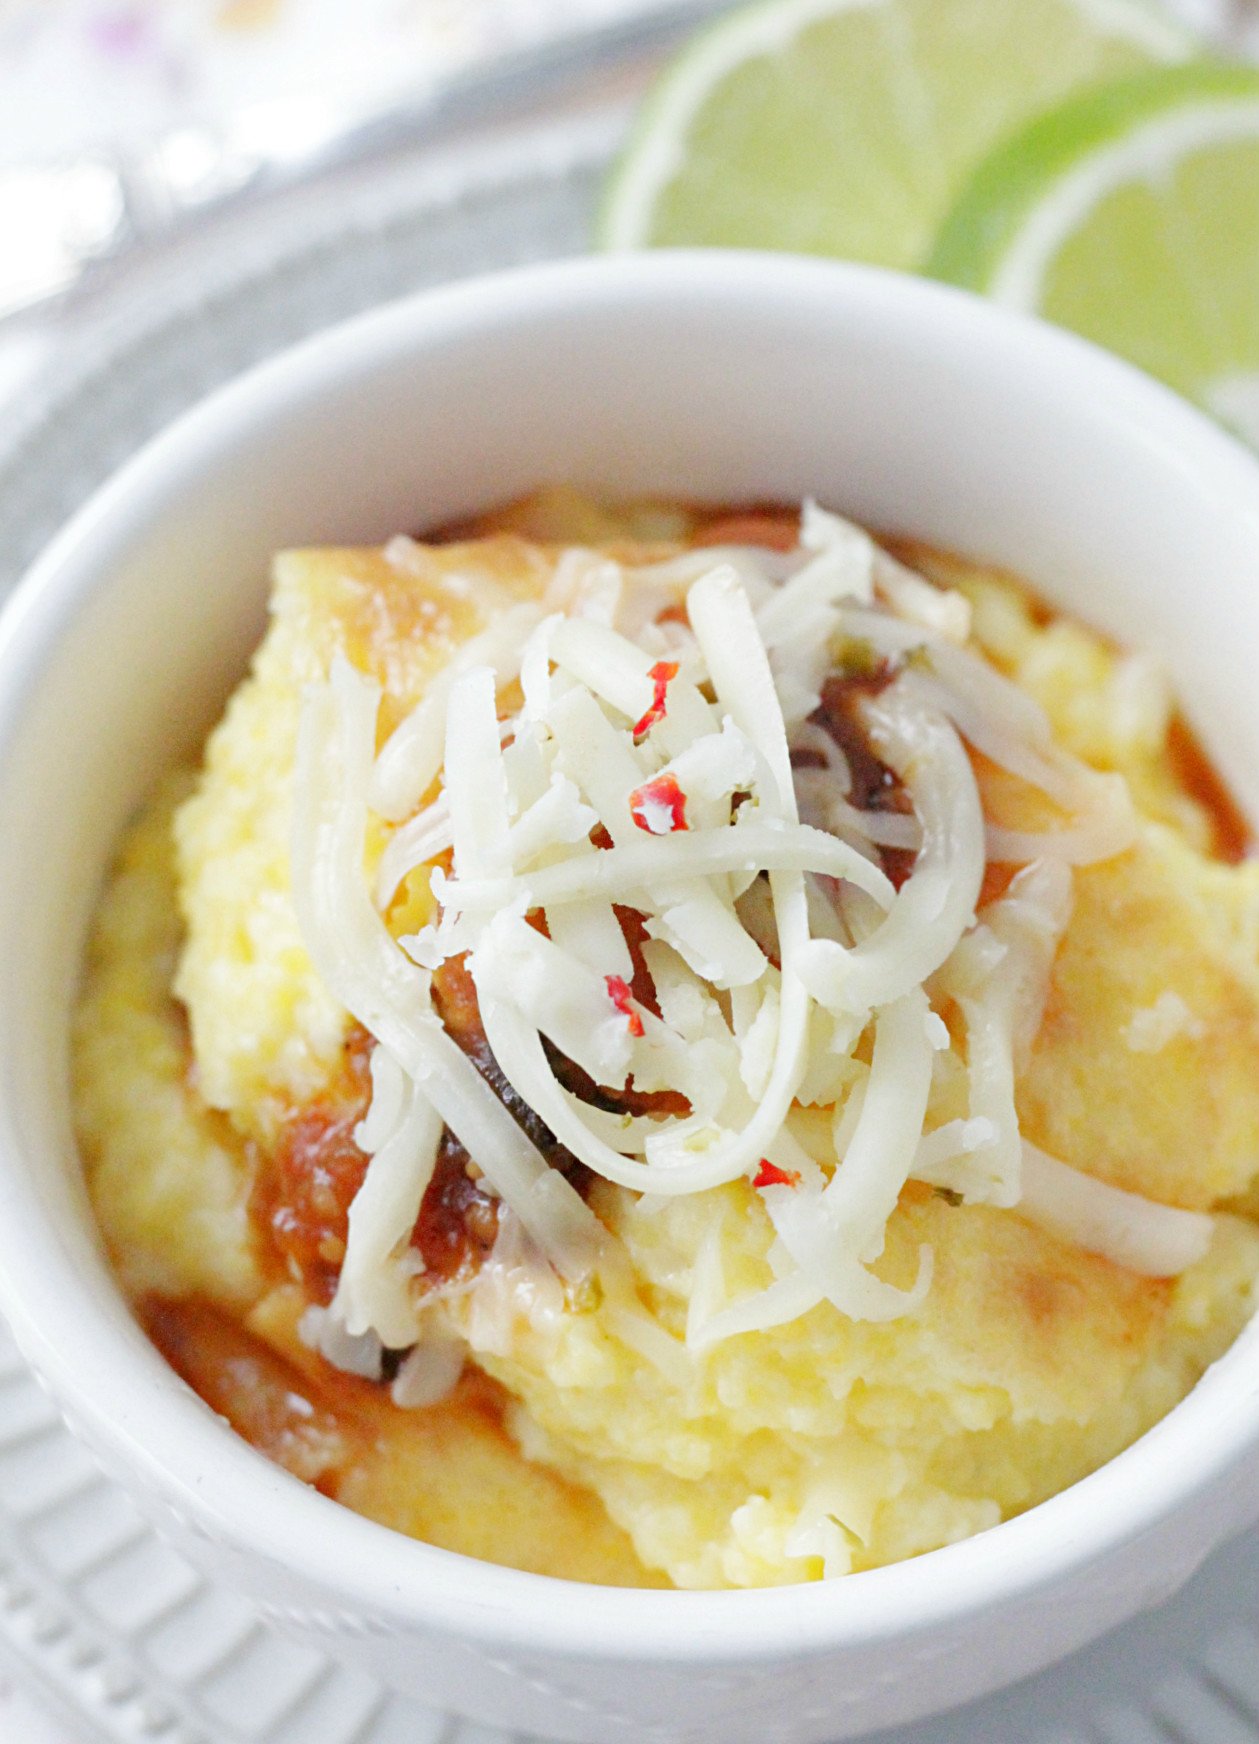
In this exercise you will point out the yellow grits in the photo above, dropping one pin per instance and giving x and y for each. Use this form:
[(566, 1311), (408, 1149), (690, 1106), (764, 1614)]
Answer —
[(819, 1447)]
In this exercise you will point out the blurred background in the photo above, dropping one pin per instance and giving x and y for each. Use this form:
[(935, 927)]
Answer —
[(127, 124), (121, 119)]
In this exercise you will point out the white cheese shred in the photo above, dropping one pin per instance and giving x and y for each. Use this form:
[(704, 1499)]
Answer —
[(1156, 1240), (364, 968), (661, 872), (373, 1292)]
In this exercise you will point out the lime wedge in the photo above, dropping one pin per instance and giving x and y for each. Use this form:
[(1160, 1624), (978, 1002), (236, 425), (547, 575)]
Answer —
[(1132, 216), (847, 126)]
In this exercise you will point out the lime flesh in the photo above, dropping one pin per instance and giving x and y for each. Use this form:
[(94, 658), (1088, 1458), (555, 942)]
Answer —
[(1132, 216), (847, 127)]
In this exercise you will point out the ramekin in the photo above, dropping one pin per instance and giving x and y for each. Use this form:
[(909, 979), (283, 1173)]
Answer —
[(713, 376)]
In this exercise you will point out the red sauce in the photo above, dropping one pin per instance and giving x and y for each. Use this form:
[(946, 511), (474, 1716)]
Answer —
[(305, 1186), (1233, 840), (265, 1398), (458, 1222), (875, 786), (773, 528), (634, 930)]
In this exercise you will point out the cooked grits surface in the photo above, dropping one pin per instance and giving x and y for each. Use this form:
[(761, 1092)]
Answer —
[(170, 1180), (816, 1447), (1030, 1364), (264, 1031), (170, 1184)]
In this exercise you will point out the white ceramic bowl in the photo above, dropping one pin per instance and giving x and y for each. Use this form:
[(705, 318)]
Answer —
[(726, 377)]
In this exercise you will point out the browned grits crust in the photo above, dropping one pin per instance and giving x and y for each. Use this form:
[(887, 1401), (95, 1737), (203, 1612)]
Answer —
[(344, 1437)]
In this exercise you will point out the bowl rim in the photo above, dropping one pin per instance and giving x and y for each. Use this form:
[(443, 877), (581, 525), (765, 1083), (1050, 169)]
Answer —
[(178, 1448)]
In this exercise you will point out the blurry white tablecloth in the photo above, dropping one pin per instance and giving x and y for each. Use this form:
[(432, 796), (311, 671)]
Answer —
[(24, 1721)]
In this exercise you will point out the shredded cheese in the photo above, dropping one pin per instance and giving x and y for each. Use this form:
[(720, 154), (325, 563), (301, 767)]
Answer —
[(373, 1292), (650, 772)]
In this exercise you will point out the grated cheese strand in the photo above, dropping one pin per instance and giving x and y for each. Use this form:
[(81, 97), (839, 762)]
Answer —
[(627, 871), (999, 978), (936, 904), (361, 966), (476, 784), (411, 757), (649, 776), (833, 1234), (1157, 1241), (373, 1291)]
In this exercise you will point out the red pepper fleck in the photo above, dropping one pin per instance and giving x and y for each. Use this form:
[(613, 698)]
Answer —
[(621, 997), (770, 1175), (661, 675), (662, 793)]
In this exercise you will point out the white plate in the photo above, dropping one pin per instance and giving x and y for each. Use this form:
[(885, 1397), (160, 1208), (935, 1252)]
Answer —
[(119, 1633)]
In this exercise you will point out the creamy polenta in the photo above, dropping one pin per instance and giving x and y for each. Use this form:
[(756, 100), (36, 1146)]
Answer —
[(704, 1400)]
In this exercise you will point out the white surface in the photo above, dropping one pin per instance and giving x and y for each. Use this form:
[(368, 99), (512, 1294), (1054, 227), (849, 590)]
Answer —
[(82, 75), (24, 1719), (716, 376), (130, 1647)]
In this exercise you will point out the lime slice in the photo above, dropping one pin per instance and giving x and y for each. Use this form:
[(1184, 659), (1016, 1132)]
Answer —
[(847, 126), (1132, 216)]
